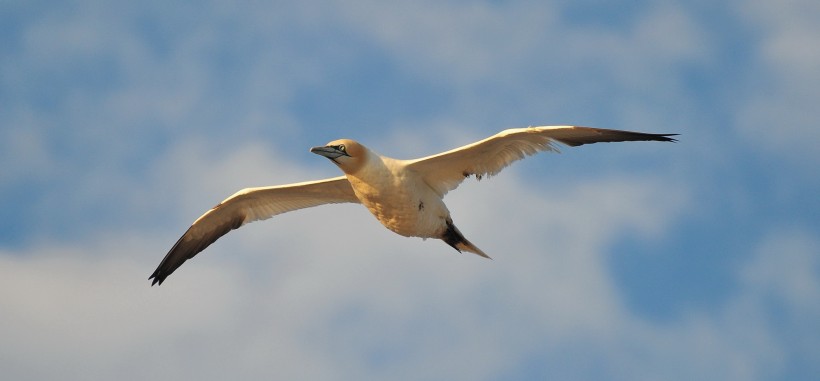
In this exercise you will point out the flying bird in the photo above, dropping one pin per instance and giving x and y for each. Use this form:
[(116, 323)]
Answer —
[(406, 196)]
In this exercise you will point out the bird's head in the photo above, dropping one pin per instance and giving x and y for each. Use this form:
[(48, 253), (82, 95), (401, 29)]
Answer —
[(348, 154)]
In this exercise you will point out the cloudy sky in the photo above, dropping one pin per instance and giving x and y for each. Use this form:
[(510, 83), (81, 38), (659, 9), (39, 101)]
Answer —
[(122, 122)]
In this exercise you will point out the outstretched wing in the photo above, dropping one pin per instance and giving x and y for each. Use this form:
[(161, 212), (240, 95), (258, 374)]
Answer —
[(248, 205), (445, 171)]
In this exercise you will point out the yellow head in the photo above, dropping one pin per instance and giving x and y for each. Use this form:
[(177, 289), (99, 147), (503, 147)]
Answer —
[(348, 154)]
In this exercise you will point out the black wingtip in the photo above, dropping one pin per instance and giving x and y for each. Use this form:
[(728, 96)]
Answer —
[(603, 135), (655, 137), (157, 279), (666, 138)]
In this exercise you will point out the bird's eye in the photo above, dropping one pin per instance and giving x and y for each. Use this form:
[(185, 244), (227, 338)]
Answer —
[(341, 147)]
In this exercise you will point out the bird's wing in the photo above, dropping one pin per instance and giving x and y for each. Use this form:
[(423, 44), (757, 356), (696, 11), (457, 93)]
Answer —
[(248, 205), (445, 171)]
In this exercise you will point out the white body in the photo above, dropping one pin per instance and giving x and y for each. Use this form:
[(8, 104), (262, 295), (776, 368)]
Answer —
[(400, 198)]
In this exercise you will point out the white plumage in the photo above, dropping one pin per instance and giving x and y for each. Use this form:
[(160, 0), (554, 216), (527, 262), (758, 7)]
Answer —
[(406, 196)]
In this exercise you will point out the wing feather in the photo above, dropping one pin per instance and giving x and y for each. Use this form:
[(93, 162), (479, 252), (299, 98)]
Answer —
[(248, 205), (445, 171)]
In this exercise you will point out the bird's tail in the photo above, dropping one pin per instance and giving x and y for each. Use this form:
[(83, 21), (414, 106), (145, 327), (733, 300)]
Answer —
[(453, 237), (470, 248)]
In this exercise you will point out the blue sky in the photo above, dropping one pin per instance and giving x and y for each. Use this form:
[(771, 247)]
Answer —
[(122, 122)]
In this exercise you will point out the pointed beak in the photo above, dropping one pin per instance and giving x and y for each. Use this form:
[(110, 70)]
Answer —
[(328, 152)]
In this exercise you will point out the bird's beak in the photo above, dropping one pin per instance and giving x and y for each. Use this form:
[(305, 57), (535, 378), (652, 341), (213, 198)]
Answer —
[(329, 152)]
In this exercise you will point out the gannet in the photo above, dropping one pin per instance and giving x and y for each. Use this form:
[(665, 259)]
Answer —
[(406, 196)]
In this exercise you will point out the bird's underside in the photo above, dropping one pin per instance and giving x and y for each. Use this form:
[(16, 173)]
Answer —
[(370, 179)]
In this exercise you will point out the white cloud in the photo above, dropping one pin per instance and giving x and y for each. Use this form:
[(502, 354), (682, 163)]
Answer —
[(783, 279), (523, 60), (25, 151), (454, 41), (785, 266), (779, 113), (86, 312)]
